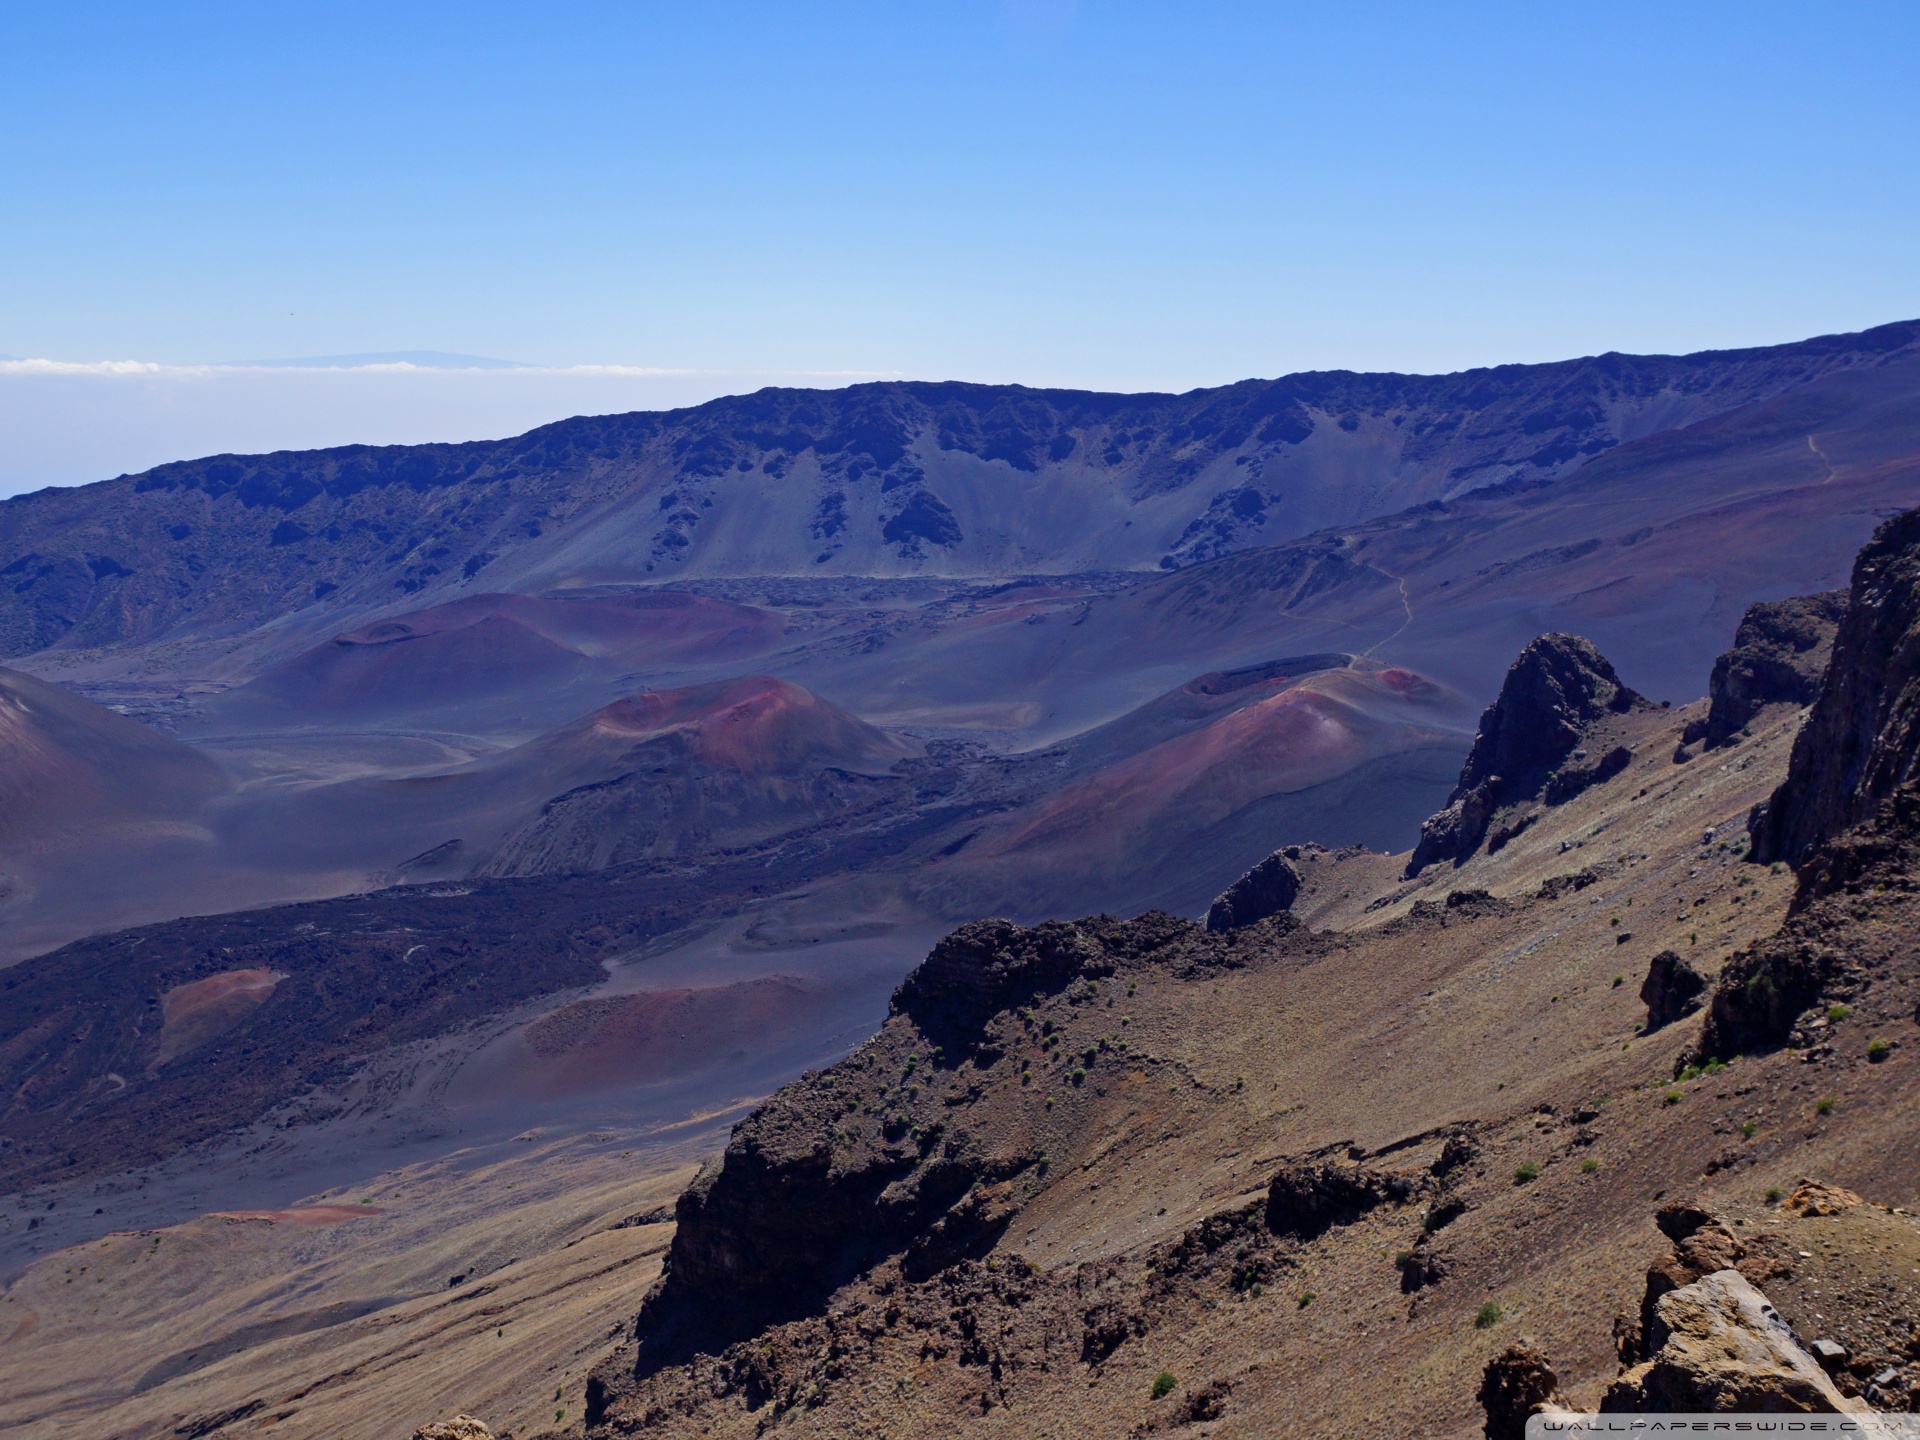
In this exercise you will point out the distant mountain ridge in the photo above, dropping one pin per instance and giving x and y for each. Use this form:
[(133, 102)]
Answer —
[(889, 479)]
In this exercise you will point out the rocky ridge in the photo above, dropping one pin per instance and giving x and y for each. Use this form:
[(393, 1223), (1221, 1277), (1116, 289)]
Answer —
[(876, 479)]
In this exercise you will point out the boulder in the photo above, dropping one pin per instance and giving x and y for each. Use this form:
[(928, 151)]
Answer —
[(460, 1427), (1518, 1383), (1265, 890), (1779, 656), (1672, 990), (1719, 1345), (1812, 1197), (1553, 695)]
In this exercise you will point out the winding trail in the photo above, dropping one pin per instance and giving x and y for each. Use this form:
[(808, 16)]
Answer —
[(1406, 604)]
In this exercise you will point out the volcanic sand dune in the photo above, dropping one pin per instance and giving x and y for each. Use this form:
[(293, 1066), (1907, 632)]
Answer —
[(485, 649), (663, 773), (98, 815), (1159, 825), (67, 764)]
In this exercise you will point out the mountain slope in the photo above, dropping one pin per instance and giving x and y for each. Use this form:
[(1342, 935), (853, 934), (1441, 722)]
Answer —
[(1318, 1180), (887, 479)]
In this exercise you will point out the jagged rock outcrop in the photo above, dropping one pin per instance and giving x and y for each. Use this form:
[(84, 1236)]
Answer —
[(1717, 1344), (1779, 656), (1306, 1198), (1672, 990), (1860, 743), (1265, 890), (1554, 693), (1518, 1384)]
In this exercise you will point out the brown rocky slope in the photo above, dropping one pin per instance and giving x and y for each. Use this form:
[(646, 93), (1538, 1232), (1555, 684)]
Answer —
[(1122, 1176)]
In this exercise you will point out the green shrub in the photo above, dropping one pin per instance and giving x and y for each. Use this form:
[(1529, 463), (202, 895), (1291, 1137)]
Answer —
[(1488, 1315), (1529, 1170), (1675, 1095), (1163, 1384), (1589, 1166), (1878, 1050), (1837, 1013), (1747, 1128), (1774, 1194), (1824, 1105), (1305, 1298)]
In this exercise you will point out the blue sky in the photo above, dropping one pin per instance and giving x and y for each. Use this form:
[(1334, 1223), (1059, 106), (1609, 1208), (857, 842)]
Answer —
[(1098, 194)]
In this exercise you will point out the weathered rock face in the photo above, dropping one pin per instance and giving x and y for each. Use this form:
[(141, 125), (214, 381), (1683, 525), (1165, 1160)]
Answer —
[(1718, 1345), (1518, 1384), (1673, 989), (1779, 656), (1553, 694), (1265, 890), (1860, 743), (873, 1157)]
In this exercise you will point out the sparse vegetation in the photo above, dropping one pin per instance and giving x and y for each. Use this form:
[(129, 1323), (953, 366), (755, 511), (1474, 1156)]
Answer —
[(1589, 1166), (1774, 1194), (1163, 1384), (1837, 1013), (1305, 1298), (1489, 1315), (1675, 1096), (1527, 1172), (1824, 1106), (1747, 1128), (1878, 1050)]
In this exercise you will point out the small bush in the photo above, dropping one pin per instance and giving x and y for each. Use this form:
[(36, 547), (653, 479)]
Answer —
[(1528, 1171), (1163, 1384), (1618, 981), (1824, 1105), (1675, 1095), (1589, 1166), (1747, 1128), (1488, 1315), (1837, 1013), (1305, 1298), (1774, 1194), (1878, 1050)]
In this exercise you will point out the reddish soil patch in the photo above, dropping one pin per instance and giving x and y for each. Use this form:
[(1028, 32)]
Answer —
[(196, 1012), (655, 1035)]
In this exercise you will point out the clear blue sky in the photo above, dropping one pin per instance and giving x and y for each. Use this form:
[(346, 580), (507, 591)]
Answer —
[(1102, 194)]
